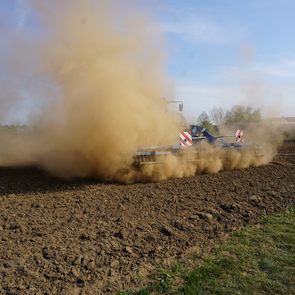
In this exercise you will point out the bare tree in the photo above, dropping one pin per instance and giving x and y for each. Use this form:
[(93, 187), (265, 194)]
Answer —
[(218, 115)]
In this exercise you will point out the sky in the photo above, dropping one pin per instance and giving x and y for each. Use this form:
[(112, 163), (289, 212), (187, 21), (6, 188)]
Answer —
[(227, 52), (219, 52)]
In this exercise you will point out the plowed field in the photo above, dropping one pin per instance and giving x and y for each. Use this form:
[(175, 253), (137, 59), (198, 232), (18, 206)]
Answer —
[(88, 237)]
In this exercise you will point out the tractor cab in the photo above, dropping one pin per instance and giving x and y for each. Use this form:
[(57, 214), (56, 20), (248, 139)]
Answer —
[(198, 133)]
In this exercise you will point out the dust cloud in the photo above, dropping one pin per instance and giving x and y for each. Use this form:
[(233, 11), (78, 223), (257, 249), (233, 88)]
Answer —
[(254, 85), (210, 161), (95, 76), (91, 75)]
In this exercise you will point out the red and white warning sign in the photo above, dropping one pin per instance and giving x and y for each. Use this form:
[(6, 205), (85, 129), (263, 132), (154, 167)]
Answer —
[(239, 136), (186, 139)]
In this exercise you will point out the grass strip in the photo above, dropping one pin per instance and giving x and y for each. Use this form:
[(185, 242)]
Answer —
[(254, 260), (289, 139)]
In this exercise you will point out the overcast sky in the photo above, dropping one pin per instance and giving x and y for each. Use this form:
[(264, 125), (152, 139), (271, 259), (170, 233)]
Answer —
[(220, 52)]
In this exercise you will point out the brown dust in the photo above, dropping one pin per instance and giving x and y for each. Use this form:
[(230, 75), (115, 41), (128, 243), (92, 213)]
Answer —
[(94, 79)]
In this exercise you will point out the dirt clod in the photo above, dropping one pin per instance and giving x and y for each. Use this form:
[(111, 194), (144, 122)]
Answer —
[(253, 198)]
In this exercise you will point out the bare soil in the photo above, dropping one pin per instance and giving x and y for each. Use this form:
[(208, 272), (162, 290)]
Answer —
[(89, 237)]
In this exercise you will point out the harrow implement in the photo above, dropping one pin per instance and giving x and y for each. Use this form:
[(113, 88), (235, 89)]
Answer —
[(194, 145)]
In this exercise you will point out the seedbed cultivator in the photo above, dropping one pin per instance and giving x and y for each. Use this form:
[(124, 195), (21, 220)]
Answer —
[(194, 145)]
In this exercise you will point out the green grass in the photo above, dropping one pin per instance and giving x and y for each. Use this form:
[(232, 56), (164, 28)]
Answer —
[(254, 260), (290, 138)]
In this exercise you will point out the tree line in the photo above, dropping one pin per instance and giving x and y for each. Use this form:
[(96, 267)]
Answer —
[(222, 116), (14, 128)]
